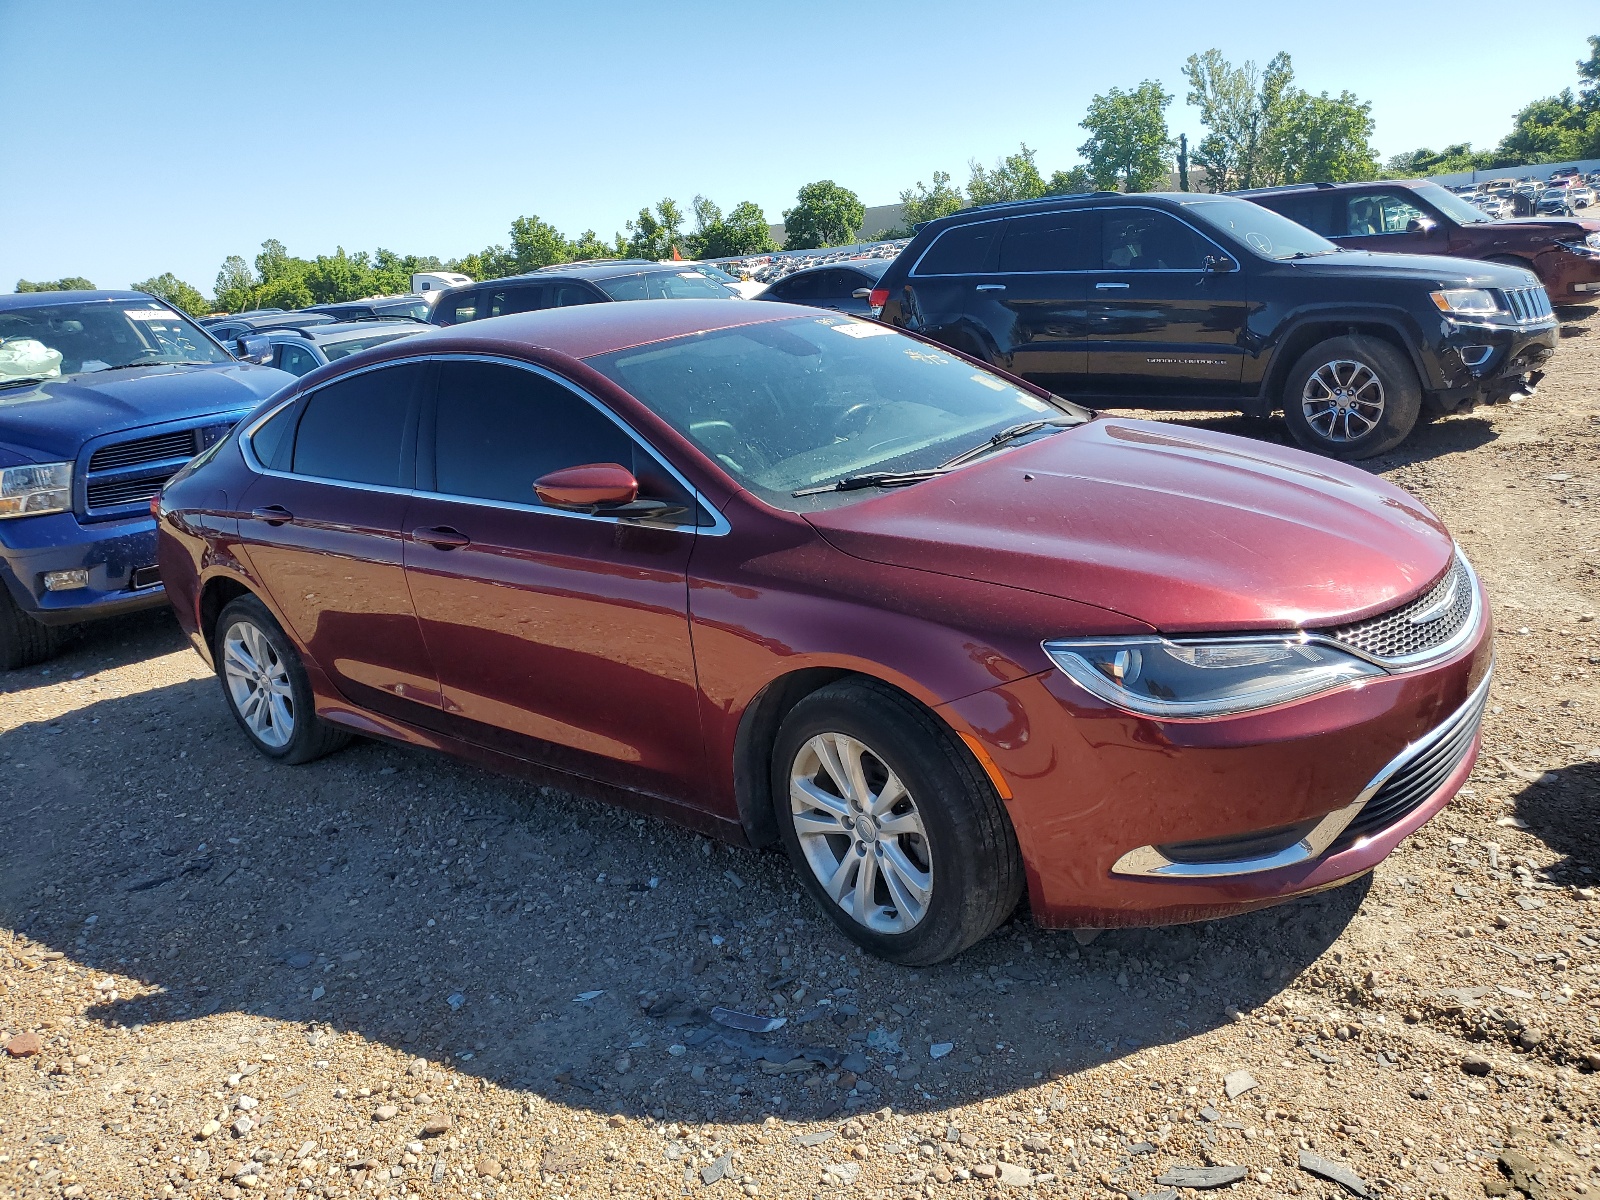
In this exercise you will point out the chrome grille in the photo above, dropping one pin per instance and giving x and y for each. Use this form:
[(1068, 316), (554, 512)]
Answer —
[(1426, 623), (146, 449), (1528, 303), (1419, 778)]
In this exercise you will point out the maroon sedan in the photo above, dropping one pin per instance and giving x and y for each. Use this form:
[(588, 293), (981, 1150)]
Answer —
[(794, 577)]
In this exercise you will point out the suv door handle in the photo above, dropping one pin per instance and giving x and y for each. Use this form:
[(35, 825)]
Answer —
[(441, 537), (1106, 287), (990, 287), (273, 514)]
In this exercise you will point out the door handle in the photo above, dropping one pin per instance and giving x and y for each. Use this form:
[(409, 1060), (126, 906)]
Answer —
[(990, 287), (441, 537), (1106, 287), (273, 514)]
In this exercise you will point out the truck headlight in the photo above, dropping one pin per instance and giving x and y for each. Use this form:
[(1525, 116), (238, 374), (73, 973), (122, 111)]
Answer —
[(1588, 248), (29, 491), (1477, 302), (1209, 677)]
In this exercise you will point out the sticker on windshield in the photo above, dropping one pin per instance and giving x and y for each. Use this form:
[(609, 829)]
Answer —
[(149, 314), (862, 329)]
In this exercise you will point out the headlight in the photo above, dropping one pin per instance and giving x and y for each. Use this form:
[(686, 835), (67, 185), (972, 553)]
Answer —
[(1473, 301), (1589, 247), (28, 491), (1161, 677), (1592, 241)]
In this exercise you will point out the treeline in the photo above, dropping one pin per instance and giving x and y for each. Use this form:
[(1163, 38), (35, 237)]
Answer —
[(1259, 129)]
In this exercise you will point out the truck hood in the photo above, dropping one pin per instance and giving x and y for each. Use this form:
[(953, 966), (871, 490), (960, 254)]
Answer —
[(53, 419), (1438, 270), (1184, 530)]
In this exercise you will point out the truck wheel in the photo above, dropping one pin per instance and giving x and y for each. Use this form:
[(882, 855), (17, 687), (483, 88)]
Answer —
[(24, 641), (1351, 397), (266, 686)]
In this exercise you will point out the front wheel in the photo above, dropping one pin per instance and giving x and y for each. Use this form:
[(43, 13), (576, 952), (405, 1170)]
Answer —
[(892, 826), (266, 686), (24, 642), (1352, 397)]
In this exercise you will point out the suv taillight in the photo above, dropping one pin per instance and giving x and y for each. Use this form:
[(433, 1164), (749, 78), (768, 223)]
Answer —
[(879, 297)]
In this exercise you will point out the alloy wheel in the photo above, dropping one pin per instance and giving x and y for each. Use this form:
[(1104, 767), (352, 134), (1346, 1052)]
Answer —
[(861, 833), (258, 683), (1343, 400)]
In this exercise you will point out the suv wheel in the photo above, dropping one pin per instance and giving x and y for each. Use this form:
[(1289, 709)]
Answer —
[(891, 825), (24, 641), (266, 686), (1351, 397)]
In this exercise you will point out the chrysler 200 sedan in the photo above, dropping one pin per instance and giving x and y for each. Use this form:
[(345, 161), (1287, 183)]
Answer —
[(793, 577)]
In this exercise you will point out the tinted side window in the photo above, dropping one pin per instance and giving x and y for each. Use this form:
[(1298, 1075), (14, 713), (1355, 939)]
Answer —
[(1052, 242), (563, 295), (624, 287), (963, 250), (802, 287), (355, 429), (515, 300), (684, 285), (270, 442), (296, 360), (1384, 212), (499, 428), (453, 310), (1150, 241)]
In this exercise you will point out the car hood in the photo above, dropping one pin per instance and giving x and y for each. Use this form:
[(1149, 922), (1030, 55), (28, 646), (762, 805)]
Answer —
[(1557, 227), (1440, 270), (1184, 530), (53, 419)]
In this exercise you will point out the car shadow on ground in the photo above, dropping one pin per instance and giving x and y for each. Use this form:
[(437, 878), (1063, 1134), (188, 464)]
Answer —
[(101, 646), (1558, 807), (548, 942)]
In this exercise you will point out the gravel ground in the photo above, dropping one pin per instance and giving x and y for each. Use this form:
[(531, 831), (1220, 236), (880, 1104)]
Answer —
[(388, 973)]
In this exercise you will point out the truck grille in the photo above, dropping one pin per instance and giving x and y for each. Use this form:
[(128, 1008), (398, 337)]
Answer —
[(130, 472), (182, 444), (1528, 303), (126, 491), (1428, 623)]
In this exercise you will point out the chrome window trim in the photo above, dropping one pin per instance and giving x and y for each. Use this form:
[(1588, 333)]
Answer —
[(719, 524), (1098, 208), (1149, 862)]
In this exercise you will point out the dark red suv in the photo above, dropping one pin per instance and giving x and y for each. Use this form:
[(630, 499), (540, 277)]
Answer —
[(789, 576), (1413, 216)]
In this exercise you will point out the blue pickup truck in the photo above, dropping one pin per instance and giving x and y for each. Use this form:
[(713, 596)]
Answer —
[(103, 396)]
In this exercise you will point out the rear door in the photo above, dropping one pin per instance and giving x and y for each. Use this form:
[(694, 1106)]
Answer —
[(1161, 326), (1031, 299), (321, 526), (933, 300), (523, 297)]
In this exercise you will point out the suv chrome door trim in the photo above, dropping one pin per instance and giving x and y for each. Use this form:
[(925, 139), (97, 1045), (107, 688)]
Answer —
[(719, 523)]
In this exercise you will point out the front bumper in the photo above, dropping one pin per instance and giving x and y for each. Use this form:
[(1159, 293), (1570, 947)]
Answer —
[(1489, 363), (117, 555), (1094, 788), (1571, 277)]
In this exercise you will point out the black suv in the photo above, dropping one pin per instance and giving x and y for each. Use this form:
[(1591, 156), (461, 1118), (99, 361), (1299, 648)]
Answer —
[(1187, 301), (578, 283)]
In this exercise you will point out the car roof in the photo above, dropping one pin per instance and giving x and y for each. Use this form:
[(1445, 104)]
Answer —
[(1075, 199), (340, 330), (1287, 188), (874, 267), (42, 299), (598, 270)]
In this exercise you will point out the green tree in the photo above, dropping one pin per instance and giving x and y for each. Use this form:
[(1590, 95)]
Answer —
[(654, 234), (236, 285), (1323, 139), (1074, 181), (1128, 143), (1238, 106), (1555, 129), (182, 296), (590, 246), (71, 283), (743, 231), (1013, 177), (1589, 76), (825, 214), (536, 243), (922, 203), (274, 262)]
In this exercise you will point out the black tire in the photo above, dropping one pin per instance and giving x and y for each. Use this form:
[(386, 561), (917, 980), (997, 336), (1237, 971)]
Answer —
[(307, 737), (1364, 362), (970, 850), (24, 642)]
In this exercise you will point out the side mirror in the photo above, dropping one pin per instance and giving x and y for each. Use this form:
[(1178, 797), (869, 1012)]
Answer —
[(1219, 264), (1423, 225), (252, 347), (861, 294), (588, 486)]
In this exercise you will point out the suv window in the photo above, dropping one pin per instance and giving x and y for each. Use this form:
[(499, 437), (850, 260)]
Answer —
[(1315, 212), (799, 287), (564, 295), (296, 360), (963, 250), (1050, 242), (1150, 241), (456, 309), (515, 300), (1381, 212), (355, 429), (684, 285), (623, 287), (499, 428)]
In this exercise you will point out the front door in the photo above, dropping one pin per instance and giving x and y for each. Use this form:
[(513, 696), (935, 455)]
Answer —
[(1386, 220), (1160, 324), (560, 637), (322, 525)]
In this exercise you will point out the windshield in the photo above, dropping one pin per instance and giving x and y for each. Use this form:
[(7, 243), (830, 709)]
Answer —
[(792, 404), (335, 350), (99, 335), (716, 273), (1269, 234), (1451, 205)]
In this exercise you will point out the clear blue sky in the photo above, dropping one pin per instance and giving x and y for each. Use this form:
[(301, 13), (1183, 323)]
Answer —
[(162, 137)]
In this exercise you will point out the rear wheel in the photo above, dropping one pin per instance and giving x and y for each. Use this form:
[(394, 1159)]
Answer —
[(267, 688), (892, 826), (1352, 397), (24, 642)]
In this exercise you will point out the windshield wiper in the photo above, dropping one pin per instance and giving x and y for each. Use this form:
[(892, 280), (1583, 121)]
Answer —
[(156, 362), (851, 483), (1009, 434), (13, 380)]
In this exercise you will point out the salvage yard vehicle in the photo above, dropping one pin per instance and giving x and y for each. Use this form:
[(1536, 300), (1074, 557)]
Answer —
[(1189, 301), (570, 284), (1417, 217), (844, 287), (301, 351), (103, 395), (791, 577)]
